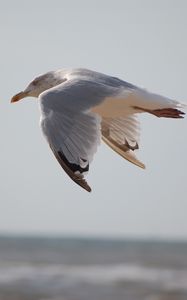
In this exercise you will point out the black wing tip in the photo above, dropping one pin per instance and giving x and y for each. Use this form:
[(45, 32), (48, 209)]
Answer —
[(83, 183), (88, 189), (70, 169)]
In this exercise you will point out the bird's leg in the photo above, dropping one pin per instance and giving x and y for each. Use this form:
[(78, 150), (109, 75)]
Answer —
[(163, 112)]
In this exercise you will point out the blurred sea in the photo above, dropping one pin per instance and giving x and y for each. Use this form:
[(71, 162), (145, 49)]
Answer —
[(91, 269)]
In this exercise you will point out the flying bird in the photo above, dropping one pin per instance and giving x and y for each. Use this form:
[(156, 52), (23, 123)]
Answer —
[(79, 107)]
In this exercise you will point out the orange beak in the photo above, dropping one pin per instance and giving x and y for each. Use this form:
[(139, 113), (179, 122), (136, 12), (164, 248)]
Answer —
[(19, 96)]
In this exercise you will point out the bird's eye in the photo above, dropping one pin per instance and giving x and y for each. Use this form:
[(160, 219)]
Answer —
[(35, 82)]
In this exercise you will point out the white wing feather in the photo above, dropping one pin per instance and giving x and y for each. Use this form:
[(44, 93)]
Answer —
[(76, 135)]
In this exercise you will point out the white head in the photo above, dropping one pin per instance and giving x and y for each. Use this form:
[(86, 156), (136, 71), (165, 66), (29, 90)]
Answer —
[(39, 85)]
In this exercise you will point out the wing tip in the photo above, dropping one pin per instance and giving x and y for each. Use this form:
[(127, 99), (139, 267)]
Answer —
[(128, 155), (77, 178), (83, 183), (141, 165), (88, 189), (135, 161)]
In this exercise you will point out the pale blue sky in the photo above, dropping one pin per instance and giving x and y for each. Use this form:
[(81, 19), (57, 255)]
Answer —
[(143, 42)]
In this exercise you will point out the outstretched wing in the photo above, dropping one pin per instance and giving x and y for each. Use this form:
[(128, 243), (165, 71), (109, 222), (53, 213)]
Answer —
[(73, 139), (71, 129)]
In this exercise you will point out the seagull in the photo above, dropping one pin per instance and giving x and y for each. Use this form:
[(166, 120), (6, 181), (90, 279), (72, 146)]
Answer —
[(79, 107)]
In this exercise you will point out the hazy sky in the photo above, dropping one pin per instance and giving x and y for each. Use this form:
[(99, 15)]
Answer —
[(143, 42)]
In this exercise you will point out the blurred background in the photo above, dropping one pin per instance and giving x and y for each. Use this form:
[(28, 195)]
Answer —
[(127, 240)]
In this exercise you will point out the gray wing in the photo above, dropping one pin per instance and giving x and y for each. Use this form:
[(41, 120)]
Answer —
[(71, 129), (99, 77)]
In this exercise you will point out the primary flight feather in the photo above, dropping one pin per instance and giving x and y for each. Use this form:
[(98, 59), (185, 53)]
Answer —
[(80, 107)]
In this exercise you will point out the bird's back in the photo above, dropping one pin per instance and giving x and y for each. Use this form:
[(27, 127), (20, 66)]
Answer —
[(98, 77)]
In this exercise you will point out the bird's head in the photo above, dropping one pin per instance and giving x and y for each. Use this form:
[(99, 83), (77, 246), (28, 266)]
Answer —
[(39, 85)]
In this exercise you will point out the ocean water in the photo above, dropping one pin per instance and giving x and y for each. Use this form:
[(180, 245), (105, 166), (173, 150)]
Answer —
[(91, 269)]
